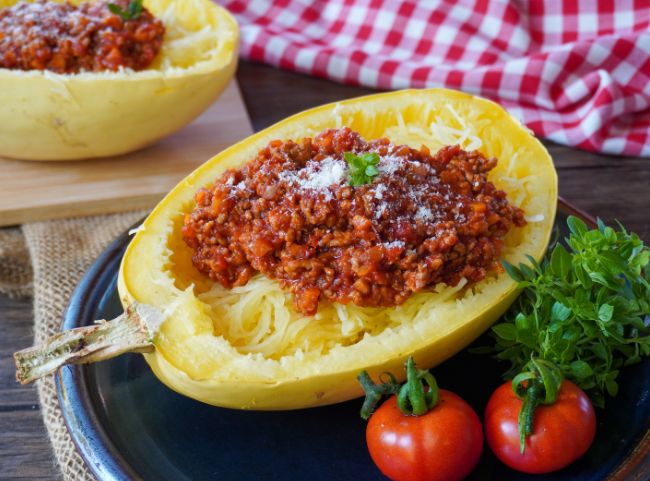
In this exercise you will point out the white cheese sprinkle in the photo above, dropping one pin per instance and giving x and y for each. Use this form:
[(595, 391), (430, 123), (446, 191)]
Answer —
[(317, 176), (424, 213), (535, 218)]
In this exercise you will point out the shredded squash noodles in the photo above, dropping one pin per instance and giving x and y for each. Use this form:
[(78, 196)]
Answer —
[(189, 40)]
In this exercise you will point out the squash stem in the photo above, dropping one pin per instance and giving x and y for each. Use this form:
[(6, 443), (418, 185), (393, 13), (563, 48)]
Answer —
[(131, 331)]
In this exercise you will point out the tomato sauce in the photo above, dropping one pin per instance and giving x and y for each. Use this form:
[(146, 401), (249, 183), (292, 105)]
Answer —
[(65, 39), (291, 214)]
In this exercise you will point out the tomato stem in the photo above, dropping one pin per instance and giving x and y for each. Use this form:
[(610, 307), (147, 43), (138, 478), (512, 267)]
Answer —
[(539, 385), (374, 392), (526, 415), (413, 398)]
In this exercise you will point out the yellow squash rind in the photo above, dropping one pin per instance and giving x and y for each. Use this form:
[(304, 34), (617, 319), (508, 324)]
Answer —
[(190, 359)]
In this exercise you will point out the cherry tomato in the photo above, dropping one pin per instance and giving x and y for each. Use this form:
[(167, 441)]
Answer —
[(562, 432), (442, 445)]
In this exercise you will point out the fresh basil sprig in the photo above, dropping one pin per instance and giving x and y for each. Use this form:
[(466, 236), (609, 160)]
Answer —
[(132, 11), (585, 309), (362, 167)]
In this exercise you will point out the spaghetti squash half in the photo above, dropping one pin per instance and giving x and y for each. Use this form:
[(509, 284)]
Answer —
[(249, 348), (50, 116)]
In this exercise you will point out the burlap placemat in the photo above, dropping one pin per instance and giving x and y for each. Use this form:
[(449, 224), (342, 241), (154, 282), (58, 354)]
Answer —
[(15, 264), (47, 259)]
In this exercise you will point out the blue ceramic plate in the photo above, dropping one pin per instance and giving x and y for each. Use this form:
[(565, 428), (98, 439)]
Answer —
[(129, 426)]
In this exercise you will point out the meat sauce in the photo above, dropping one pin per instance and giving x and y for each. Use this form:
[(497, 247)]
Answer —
[(292, 215), (65, 39)]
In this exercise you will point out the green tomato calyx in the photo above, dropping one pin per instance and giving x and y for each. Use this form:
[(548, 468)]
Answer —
[(540, 384), (417, 396)]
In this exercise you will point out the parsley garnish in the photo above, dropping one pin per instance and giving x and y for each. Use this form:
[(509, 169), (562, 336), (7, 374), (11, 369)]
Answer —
[(133, 11), (585, 309), (362, 167)]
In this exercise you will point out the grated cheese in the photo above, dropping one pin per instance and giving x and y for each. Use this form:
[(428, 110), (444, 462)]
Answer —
[(317, 176), (535, 218)]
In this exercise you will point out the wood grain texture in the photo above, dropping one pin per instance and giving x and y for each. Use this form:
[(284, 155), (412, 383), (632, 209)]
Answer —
[(25, 452), (610, 187), (31, 191)]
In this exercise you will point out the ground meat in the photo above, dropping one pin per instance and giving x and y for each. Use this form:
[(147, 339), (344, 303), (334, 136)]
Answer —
[(64, 38), (291, 214)]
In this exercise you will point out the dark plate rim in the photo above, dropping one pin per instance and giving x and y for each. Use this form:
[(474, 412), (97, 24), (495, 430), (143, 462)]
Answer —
[(105, 460)]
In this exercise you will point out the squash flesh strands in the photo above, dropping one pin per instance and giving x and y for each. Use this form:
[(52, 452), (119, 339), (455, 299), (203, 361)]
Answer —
[(245, 347)]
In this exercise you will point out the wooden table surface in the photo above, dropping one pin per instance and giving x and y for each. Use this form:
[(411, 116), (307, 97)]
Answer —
[(610, 187)]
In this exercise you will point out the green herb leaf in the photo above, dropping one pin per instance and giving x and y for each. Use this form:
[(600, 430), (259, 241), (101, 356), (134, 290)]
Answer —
[(362, 167), (132, 11), (507, 332), (605, 313), (585, 309), (371, 171), (612, 388), (576, 226), (560, 261), (135, 8), (512, 271), (116, 9), (559, 312), (581, 369)]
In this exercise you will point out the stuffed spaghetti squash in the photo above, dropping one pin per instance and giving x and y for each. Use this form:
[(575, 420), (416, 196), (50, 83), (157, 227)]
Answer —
[(249, 348), (70, 116)]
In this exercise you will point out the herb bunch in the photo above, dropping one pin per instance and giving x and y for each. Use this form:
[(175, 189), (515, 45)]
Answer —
[(362, 167), (584, 309)]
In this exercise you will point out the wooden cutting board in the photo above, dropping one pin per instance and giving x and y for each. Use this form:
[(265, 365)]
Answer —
[(31, 191)]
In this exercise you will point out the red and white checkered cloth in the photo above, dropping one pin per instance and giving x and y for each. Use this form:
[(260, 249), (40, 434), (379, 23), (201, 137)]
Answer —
[(576, 72)]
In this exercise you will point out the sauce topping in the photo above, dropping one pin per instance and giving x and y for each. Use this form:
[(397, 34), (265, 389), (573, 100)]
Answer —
[(64, 38), (292, 215)]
